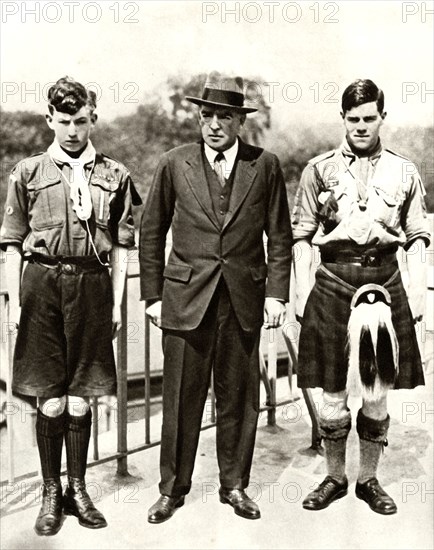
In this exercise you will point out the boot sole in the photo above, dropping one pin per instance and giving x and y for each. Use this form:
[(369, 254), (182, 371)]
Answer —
[(46, 533), (339, 495), (82, 523)]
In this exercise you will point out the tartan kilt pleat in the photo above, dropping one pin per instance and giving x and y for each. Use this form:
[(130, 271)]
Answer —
[(322, 357)]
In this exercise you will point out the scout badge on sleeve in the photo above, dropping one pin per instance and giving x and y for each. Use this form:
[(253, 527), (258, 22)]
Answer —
[(372, 345)]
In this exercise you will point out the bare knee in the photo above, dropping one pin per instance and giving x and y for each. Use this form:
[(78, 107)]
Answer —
[(376, 410), (334, 405), (52, 407), (77, 406)]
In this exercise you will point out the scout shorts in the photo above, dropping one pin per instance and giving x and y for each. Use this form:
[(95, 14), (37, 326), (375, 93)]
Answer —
[(64, 341)]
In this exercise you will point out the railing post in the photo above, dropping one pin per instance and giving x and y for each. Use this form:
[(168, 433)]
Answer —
[(307, 394), (122, 412), (272, 375), (147, 358), (9, 351), (213, 409), (95, 427)]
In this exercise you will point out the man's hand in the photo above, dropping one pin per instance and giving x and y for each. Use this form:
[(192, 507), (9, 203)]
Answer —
[(301, 297), (274, 313), (416, 299), (417, 279), (154, 313), (116, 320)]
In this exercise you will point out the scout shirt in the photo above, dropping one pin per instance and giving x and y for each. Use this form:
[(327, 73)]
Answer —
[(39, 216), (345, 202)]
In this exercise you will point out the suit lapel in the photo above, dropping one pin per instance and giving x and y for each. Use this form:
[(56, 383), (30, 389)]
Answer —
[(244, 176), (196, 178)]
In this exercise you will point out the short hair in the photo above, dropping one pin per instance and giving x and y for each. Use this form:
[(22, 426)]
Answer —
[(362, 91), (69, 96)]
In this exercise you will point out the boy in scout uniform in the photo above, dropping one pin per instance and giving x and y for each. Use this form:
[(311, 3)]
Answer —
[(359, 204), (68, 217)]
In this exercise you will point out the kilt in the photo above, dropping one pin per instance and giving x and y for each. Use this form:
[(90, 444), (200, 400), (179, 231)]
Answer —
[(322, 357)]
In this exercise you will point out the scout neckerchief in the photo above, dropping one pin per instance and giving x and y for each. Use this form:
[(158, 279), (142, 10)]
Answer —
[(78, 182)]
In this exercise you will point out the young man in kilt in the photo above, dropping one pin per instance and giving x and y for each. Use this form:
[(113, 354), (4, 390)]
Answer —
[(68, 216), (359, 204)]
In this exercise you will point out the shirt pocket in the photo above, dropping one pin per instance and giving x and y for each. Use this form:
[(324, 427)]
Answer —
[(46, 204), (103, 191), (387, 206)]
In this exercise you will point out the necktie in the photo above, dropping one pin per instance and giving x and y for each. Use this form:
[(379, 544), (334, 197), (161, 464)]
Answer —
[(219, 168)]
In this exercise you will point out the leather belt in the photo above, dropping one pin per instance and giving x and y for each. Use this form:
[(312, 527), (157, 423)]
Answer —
[(68, 265), (363, 260)]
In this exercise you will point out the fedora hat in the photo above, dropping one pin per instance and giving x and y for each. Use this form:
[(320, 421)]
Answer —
[(223, 91)]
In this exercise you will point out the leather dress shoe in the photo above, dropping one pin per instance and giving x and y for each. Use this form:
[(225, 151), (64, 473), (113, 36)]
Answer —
[(164, 508), (327, 492), (49, 519), (77, 502), (376, 497), (240, 502)]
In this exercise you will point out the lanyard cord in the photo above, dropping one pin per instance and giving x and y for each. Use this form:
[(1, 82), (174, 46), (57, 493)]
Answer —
[(105, 264)]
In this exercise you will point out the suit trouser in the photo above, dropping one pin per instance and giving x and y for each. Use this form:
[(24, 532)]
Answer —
[(218, 343)]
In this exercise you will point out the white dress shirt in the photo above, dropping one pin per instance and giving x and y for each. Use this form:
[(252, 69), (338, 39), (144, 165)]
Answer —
[(230, 156)]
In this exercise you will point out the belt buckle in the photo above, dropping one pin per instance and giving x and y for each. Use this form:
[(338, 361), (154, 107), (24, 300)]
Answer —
[(369, 261), (67, 269)]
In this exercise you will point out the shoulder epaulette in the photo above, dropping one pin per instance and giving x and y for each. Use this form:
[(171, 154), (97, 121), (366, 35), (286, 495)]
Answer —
[(396, 154), (322, 156), (30, 158), (110, 160), (103, 156)]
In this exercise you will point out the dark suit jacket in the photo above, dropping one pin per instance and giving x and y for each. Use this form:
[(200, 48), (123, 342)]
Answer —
[(202, 251)]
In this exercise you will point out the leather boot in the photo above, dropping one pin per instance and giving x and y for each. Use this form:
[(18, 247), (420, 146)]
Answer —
[(49, 520), (77, 502)]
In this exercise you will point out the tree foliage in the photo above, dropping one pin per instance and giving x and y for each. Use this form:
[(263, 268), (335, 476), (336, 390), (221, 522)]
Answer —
[(166, 119)]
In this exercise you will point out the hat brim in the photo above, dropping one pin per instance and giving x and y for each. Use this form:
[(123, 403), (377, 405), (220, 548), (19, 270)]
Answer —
[(199, 101)]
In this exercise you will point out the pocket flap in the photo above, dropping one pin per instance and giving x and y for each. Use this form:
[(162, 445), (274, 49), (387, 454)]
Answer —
[(108, 184), (178, 272), (43, 184), (259, 273), (388, 199)]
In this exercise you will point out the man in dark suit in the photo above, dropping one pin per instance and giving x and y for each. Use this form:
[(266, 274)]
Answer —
[(218, 197)]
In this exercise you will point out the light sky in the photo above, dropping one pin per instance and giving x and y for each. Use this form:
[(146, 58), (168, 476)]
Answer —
[(289, 44)]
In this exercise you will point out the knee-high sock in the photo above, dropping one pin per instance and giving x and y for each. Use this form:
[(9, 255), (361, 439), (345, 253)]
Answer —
[(77, 436), (49, 437), (372, 437), (335, 434)]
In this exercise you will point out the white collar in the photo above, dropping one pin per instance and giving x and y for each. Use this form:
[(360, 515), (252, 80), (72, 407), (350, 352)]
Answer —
[(230, 156), (61, 156)]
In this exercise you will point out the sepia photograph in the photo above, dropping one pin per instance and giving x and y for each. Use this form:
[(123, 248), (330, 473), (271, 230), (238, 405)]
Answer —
[(216, 275)]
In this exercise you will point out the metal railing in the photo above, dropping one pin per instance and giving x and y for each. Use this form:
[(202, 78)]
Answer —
[(268, 375)]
